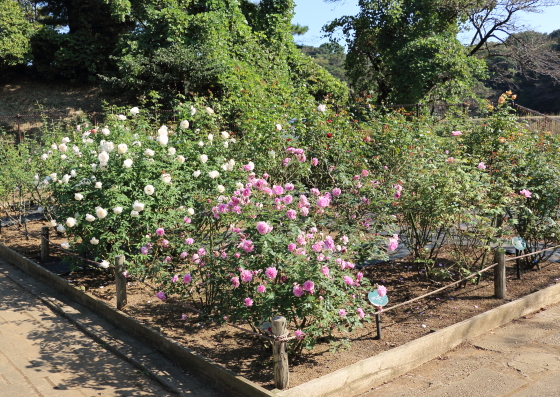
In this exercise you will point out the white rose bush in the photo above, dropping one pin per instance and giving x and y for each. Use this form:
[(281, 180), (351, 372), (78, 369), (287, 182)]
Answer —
[(240, 234)]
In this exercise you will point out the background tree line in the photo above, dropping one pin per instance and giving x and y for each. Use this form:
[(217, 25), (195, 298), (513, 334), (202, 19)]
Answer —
[(397, 51)]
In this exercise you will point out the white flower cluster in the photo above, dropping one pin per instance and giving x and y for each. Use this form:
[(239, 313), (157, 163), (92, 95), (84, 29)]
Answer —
[(163, 137)]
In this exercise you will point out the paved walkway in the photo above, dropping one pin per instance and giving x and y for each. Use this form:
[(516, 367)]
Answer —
[(44, 354), (520, 359)]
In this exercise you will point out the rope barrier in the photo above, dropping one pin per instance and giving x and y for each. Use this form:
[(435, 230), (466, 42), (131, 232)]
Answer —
[(532, 253)]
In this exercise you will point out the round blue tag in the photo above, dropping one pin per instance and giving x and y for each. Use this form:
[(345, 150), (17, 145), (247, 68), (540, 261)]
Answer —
[(377, 300)]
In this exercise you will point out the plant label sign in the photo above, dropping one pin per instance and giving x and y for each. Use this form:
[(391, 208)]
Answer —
[(376, 299), (519, 243)]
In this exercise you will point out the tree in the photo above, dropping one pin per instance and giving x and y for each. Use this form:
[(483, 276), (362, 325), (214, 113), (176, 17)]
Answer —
[(407, 51), (330, 56), (15, 31)]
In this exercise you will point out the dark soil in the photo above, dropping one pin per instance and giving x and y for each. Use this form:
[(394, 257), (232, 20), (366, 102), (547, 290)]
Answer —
[(246, 354)]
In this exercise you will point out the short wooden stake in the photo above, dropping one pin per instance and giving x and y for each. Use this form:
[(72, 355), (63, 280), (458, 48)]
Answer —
[(44, 244), (378, 324), (280, 355), (500, 275), (120, 281)]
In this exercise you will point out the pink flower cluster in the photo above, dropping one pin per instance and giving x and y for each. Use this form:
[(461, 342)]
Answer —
[(526, 193), (298, 154), (263, 227), (393, 243)]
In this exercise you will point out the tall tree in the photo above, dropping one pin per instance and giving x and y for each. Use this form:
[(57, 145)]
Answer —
[(15, 31), (407, 51)]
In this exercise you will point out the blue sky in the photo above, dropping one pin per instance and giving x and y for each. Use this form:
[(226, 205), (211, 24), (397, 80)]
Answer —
[(316, 13)]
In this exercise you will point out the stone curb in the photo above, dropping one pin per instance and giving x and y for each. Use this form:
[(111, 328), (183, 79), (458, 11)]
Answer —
[(353, 380)]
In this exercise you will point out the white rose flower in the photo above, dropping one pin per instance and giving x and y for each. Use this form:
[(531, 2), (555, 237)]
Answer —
[(100, 212), (64, 157), (171, 151), (104, 264), (134, 111), (53, 176), (62, 147), (200, 143), (184, 124), (105, 131), (65, 245), (52, 223), (225, 166), (134, 214), (221, 188), (209, 110), (94, 241), (76, 149), (66, 178), (225, 134), (166, 178), (149, 190), (70, 222), (127, 163), (60, 228), (232, 140), (138, 206), (180, 159), (103, 157), (163, 140), (73, 173), (162, 130), (278, 127), (196, 174), (193, 110), (122, 148), (90, 217), (213, 174), (88, 140), (190, 211), (322, 108), (149, 152), (54, 146), (65, 139), (121, 117), (44, 156), (78, 196), (108, 146), (239, 186), (118, 210), (203, 158), (210, 137), (98, 185)]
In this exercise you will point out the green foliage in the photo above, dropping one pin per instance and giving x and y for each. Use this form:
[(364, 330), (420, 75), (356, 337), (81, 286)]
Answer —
[(15, 32), (330, 56), (406, 52)]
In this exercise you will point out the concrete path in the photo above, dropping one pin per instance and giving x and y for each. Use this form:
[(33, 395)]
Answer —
[(44, 354), (520, 359)]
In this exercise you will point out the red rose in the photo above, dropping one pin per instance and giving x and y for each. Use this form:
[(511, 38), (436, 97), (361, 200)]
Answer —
[(329, 135)]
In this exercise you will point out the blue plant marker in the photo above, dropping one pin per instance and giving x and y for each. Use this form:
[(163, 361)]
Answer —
[(519, 243), (377, 300)]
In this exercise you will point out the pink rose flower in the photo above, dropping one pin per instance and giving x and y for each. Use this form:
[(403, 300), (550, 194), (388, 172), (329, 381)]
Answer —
[(325, 270), (291, 214), (299, 334), (292, 247), (271, 272), (360, 312), (160, 231), (323, 202), (161, 295), (187, 278), (246, 276), (289, 187), (525, 193), (175, 278), (288, 199), (261, 288), (263, 227), (309, 286), (278, 190), (456, 133), (336, 192), (342, 313), (481, 166), (248, 302), (189, 241), (348, 280), (235, 282), (298, 290), (381, 290), (314, 161)]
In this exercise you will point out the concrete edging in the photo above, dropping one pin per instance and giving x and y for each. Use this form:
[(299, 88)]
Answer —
[(349, 381)]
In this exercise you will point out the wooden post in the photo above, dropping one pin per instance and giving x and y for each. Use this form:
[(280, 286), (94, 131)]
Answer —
[(44, 244), (500, 275), (280, 356), (120, 281), (378, 324), (518, 264)]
